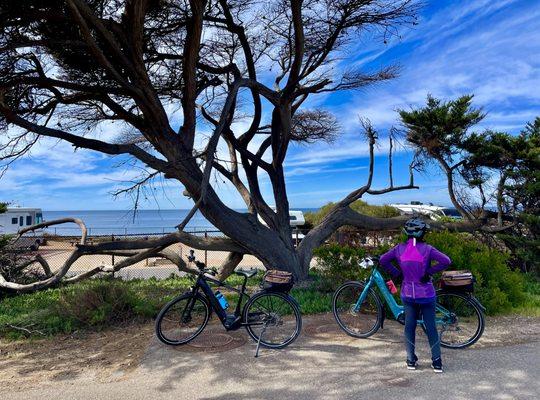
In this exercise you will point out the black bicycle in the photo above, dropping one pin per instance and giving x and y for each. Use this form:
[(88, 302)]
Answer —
[(272, 318)]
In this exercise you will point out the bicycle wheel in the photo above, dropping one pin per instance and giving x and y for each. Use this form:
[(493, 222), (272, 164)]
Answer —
[(460, 320), (360, 323), (182, 319), (274, 318)]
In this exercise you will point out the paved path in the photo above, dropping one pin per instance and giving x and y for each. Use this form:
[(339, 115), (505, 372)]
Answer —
[(320, 365)]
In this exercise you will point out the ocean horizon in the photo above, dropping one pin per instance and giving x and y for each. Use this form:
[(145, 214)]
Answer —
[(126, 222)]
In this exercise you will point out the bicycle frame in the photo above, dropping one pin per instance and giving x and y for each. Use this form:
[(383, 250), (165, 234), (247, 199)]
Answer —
[(229, 321), (397, 310), (377, 279)]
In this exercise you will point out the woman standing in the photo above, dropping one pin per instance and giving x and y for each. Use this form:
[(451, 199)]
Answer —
[(415, 259)]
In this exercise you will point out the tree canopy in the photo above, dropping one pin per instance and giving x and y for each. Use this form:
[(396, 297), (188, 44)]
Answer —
[(198, 89)]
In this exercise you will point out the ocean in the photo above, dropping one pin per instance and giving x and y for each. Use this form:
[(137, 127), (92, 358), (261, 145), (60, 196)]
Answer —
[(124, 222)]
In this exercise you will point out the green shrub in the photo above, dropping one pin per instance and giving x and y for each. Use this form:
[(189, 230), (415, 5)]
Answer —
[(337, 264), (91, 304), (313, 218), (94, 304), (312, 301), (498, 288), (103, 303)]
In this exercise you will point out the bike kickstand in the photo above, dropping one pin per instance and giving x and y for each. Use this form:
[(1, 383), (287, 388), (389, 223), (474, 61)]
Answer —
[(259, 341)]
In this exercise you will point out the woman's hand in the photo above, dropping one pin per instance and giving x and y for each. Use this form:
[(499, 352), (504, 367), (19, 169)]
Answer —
[(425, 278), (398, 278)]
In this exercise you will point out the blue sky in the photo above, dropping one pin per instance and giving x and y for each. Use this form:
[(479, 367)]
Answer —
[(488, 48)]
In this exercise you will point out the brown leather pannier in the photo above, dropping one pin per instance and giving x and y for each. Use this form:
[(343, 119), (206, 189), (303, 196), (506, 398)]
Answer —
[(278, 281), (461, 281)]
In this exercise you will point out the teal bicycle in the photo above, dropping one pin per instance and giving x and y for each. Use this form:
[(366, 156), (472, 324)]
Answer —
[(360, 311)]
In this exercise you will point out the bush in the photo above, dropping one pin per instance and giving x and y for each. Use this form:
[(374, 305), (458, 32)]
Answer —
[(96, 305), (498, 287), (313, 218), (91, 304)]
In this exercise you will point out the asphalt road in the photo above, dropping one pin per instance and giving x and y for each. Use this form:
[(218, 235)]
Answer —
[(316, 366)]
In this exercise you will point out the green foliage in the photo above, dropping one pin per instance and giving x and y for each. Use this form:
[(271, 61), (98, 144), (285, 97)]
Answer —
[(524, 191), (95, 304), (104, 303), (313, 301), (384, 211), (337, 264), (531, 305), (498, 287), (439, 128), (517, 160)]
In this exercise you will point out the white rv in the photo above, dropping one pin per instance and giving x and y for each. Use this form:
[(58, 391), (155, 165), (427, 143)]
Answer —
[(430, 210), (16, 218), (296, 218)]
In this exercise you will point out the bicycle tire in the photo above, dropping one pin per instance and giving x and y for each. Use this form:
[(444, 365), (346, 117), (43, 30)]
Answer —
[(474, 313), (165, 338), (376, 306), (264, 313)]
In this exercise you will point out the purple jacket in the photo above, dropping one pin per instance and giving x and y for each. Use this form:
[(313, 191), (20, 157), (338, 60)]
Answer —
[(415, 261)]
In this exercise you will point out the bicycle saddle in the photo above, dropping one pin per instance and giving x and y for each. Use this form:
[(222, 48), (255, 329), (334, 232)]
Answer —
[(247, 274)]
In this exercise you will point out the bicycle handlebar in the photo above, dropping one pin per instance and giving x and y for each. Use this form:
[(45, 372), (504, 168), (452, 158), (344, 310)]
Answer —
[(369, 261), (200, 265)]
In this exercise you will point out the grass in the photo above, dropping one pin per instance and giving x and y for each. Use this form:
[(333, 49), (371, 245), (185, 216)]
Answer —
[(100, 303), (531, 305)]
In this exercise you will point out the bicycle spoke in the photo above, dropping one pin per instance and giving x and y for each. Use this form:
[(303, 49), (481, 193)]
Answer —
[(182, 320), (279, 320)]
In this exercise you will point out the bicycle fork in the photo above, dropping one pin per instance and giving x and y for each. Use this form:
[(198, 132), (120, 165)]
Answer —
[(362, 297)]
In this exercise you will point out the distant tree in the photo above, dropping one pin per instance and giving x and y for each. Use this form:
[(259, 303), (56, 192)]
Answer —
[(440, 132), (437, 131)]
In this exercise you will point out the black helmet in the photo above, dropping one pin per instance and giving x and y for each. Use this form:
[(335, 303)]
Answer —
[(415, 227)]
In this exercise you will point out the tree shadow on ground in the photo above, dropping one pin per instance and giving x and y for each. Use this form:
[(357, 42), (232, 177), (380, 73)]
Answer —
[(333, 366)]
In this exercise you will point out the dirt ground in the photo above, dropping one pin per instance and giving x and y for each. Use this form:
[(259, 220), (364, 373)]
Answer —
[(113, 354), (101, 356)]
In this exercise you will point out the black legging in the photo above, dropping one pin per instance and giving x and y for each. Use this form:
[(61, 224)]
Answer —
[(413, 311)]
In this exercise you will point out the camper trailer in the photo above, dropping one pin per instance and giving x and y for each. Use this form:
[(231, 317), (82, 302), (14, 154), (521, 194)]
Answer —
[(16, 218), (296, 219)]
